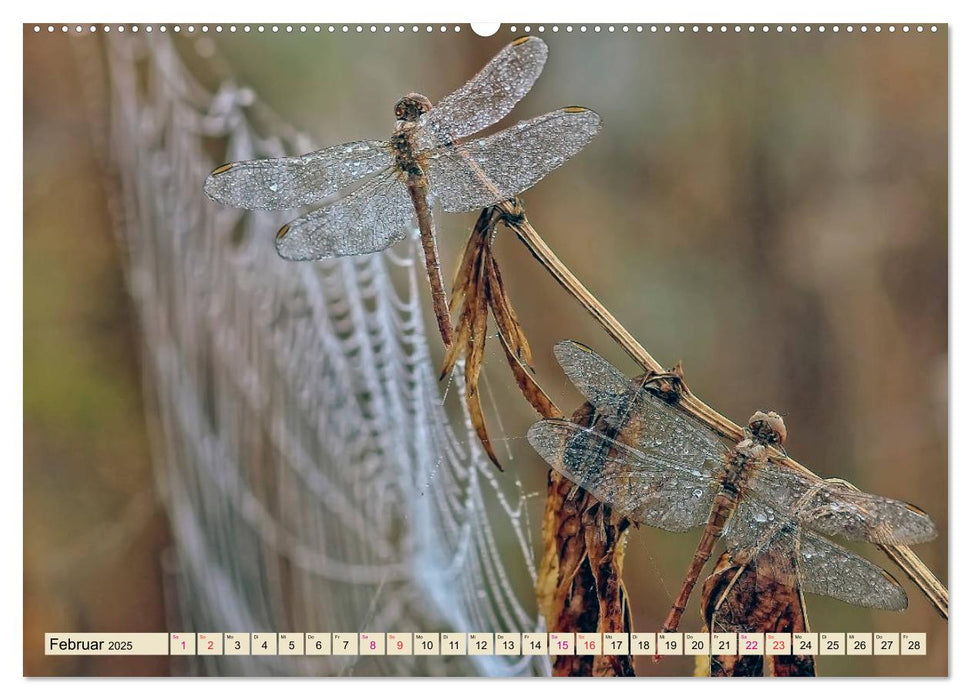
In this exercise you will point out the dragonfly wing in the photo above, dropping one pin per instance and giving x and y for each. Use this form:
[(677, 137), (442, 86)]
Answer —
[(486, 171), (832, 508), (488, 96), (756, 595), (753, 526), (644, 420), (644, 487), (777, 544), (367, 220), (287, 183), (828, 569)]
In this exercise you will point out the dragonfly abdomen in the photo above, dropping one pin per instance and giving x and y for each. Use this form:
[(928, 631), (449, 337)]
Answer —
[(721, 510)]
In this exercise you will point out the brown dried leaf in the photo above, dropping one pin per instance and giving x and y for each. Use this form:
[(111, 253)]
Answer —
[(529, 387), (478, 422), (471, 289), (579, 586), (478, 287), (473, 363), (462, 331), (743, 599), (505, 316), (477, 335), (478, 239)]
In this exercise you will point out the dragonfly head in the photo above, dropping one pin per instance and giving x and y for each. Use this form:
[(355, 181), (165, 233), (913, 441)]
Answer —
[(411, 106), (768, 428)]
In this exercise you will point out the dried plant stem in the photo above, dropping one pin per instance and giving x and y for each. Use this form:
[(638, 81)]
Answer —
[(903, 556), (918, 572)]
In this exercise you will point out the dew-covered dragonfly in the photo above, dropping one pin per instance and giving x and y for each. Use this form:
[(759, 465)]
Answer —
[(369, 192), (667, 470)]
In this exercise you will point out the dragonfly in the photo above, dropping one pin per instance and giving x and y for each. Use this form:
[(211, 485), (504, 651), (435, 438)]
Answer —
[(368, 193), (662, 468)]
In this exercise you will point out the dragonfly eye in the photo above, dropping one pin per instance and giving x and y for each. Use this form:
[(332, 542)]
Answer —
[(768, 427), (411, 106)]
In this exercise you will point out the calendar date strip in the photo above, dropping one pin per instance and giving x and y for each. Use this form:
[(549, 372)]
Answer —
[(484, 644)]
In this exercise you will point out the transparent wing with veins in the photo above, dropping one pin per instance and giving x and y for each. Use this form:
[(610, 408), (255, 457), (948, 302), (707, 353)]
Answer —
[(775, 543), (287, 183), (644, 420), (368, 219), (831, 508), (486, 171), (488, 96), (760, 595), (648, 487)]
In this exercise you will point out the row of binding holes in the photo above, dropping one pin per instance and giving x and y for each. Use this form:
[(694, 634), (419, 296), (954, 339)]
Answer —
[(246, 28), (712, 28), (414, 28)]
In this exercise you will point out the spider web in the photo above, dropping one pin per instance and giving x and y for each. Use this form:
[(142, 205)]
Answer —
[(313, 477)]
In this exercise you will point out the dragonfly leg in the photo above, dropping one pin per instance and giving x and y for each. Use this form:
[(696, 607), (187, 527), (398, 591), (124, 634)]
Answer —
[(713, 530), (681, 602)]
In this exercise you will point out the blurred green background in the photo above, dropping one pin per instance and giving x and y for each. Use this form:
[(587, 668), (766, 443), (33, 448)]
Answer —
[(770, 209)]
